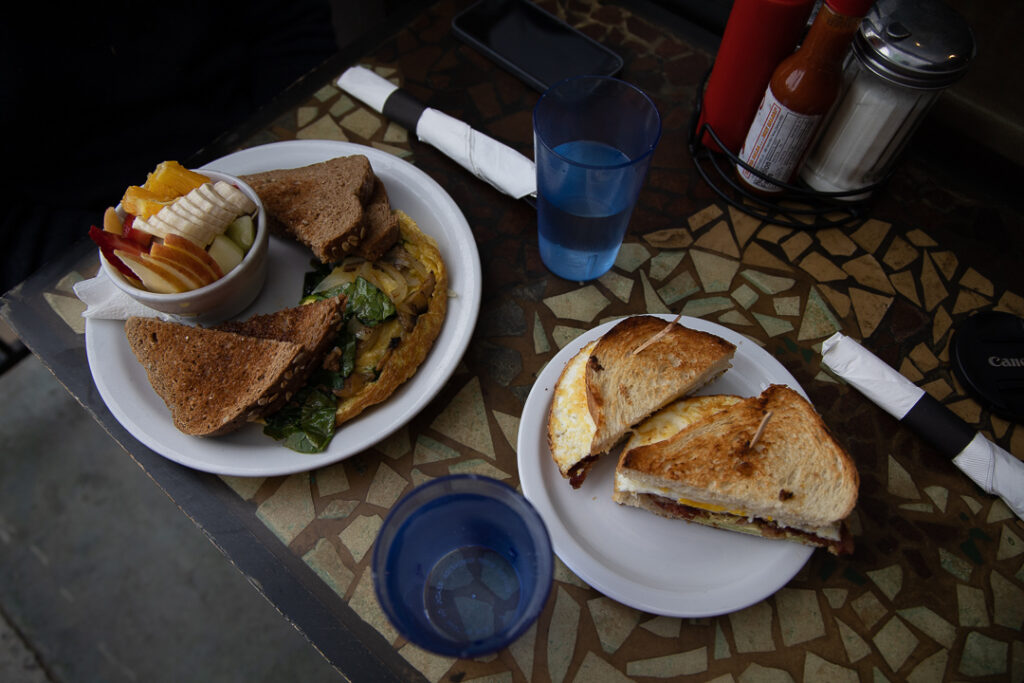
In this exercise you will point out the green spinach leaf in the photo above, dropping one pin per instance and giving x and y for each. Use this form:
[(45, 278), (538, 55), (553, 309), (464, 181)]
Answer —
[(306, 424), (365, 301)]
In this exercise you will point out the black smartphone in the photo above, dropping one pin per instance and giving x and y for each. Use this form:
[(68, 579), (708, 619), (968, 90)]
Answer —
[(533, 44)]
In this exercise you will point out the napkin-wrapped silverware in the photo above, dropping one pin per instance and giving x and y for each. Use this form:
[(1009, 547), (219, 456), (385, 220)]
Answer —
[(989, 466), (493, 162)]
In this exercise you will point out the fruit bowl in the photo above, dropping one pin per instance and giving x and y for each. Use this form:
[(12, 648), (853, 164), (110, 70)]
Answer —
[(210, 303)]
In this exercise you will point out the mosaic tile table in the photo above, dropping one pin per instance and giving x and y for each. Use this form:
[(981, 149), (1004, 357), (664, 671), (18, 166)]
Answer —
[(935, 589)]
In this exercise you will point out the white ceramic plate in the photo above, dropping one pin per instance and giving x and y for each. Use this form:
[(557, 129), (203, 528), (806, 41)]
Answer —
[(122, 381), (651, 563)]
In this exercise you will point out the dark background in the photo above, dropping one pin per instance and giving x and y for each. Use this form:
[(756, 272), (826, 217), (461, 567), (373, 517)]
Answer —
[(94, 95)]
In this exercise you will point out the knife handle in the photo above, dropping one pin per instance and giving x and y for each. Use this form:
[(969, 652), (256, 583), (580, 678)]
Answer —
[(940, 426), (403, 108)]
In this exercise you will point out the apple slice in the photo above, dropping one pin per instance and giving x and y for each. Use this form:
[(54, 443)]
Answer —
[(139, 235), (226, 253), (112, 222), (182, 273), (108, 243), (242, 232), (109, 240), (191, 247), (207, 268), (198, 270), (154, 276)]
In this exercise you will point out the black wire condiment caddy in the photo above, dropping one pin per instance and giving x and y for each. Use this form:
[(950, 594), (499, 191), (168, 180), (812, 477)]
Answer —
[(797, 206)]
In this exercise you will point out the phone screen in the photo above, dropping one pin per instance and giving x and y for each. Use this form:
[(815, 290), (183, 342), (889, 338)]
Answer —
[(533, 44)]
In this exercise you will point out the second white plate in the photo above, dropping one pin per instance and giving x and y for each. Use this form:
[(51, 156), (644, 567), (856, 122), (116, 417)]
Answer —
[(661, 566)]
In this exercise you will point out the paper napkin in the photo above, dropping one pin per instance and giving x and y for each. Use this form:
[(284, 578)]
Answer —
[(493, 162), (989, 466), (104, 301)]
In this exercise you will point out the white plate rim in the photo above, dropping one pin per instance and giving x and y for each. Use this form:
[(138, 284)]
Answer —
[(579, 546), (122, 383)]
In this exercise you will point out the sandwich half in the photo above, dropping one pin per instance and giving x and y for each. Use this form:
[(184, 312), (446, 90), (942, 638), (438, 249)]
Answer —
[(214, 381), (637, 367), (719, 461), (330, 206)]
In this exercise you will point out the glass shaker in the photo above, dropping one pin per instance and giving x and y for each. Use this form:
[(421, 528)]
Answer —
[(904, 55)]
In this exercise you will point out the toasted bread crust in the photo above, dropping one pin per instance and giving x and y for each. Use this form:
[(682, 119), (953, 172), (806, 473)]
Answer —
[(215, 380), (605, 390), (320, 205), (313, 326), (796, 473), (381, 225), (624, 388), (197, 374)]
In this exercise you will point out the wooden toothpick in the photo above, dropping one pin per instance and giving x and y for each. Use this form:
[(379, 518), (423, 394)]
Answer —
[(760, 428), (658, 335)]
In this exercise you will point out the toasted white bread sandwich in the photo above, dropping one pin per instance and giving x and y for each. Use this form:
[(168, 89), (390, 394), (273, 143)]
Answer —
[(613, 383), (765, 465)]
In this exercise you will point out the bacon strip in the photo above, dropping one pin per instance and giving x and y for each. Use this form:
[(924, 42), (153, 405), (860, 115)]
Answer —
[(760, 527)]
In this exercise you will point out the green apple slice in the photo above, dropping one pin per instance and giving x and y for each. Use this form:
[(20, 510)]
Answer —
[(226, 253), (242, 232)]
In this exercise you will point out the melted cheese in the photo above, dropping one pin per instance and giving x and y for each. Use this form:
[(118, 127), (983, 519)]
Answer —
[(710, 507)]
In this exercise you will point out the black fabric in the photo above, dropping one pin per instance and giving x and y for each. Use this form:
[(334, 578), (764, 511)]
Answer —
[(403, 108), (939, 426), (94, 95)]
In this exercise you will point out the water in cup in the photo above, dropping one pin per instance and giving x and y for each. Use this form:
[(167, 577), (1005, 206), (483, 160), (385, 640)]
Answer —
[(580, 231), (469, 592), (463, 565), (472, 593), (594, 137)]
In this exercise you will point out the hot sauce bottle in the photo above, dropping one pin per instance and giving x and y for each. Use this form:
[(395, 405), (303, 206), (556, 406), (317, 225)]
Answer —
[(801, 91)]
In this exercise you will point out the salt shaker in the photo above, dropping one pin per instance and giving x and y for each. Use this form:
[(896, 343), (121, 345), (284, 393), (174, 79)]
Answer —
[(904, 55)]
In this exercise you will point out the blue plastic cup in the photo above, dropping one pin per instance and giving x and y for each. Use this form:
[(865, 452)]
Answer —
[(463, 565), (593, 139)]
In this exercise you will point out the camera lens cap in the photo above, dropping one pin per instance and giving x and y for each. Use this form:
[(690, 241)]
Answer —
[(987, 354)]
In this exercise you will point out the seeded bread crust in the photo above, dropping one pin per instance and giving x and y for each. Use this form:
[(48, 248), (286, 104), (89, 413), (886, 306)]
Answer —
[(215, 380), (320, 205), (382, 229), (314, 326), (212, 381)]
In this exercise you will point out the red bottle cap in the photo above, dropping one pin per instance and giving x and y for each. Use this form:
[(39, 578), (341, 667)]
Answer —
[(850, 8)]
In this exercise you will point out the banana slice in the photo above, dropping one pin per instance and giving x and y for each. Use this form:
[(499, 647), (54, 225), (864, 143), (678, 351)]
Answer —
[(163, 226), (205, 206), (193, 213), (235, 197), (187, 224), (145, 225), (208, 192)]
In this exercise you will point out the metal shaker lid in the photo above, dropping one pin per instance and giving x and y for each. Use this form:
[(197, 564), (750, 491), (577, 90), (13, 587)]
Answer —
[(917, 43)]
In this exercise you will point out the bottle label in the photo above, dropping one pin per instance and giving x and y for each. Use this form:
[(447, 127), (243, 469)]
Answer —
[(775, 142)]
